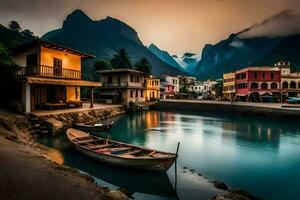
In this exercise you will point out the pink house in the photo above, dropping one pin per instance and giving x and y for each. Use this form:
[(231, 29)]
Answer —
[(258, 84)]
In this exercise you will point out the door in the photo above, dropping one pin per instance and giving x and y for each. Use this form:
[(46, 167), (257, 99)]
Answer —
[(57, 67), (31, 64)]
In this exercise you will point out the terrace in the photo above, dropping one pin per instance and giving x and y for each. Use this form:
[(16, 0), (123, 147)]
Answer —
[(48, 71)]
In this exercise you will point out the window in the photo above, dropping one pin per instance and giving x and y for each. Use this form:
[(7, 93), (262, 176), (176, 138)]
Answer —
[(131, 93), (136, 93), (255, 75), (264, 86), (272, 75), (263, 75), (285, 85), (32, 60), (293, 85), (142, 93), (131, 78), (254, 85), (274, 86)]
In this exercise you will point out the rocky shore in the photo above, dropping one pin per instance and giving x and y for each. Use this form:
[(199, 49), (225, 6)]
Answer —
[(27, 173)]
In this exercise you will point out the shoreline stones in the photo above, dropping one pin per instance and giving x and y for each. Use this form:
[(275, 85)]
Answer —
[(236, 195), (220, 185), (58, 123)]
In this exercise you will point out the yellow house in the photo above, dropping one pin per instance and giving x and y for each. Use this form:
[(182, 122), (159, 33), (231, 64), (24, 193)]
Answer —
[(50, 75), (229, 86), (152, 88)]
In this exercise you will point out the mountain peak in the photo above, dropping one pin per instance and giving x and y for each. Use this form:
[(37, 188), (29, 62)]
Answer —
[(76, 18)]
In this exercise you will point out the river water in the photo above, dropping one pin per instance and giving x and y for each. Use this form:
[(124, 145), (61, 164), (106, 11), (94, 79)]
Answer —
[(255, 154)]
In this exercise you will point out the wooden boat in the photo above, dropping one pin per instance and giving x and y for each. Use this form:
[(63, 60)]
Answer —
[(94, 126), (120, 154)]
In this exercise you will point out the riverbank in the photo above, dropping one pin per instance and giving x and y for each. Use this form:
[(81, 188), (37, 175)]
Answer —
[(273, 110), (27, 173)]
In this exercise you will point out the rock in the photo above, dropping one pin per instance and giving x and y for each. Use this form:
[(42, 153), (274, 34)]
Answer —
[(220, 185), (115, 195), (245, 194), (88, 178), (55, 126), (236, 195), (126, 192)]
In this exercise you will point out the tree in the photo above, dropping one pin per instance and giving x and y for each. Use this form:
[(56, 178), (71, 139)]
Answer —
[(15, 26), (218, 88), (101, 65), (8, 67), (144, 66), (184, 89), (27, 32), (121, 60)]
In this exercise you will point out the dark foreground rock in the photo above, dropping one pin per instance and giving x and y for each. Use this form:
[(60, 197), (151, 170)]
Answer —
[(220, 185), (236, 195)]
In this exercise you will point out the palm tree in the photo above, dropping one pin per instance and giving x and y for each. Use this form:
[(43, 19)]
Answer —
[(101, 65), (144, 66), (121, 60)]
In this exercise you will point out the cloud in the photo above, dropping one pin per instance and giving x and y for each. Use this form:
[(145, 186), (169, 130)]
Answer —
[(237, 43), (284, 23)]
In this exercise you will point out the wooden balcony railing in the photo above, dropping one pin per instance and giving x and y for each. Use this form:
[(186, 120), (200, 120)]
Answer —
[(47, 71), (123, 84)]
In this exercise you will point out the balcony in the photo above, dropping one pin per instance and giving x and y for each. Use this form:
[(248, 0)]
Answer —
[(123, 84), (47, 71)]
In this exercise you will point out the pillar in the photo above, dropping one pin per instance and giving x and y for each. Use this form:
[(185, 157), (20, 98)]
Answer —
[(26, 97)]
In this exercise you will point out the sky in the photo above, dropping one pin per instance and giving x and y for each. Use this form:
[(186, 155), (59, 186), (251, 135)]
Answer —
[(177, 26)]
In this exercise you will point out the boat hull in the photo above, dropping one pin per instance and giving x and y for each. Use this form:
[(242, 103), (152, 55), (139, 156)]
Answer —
[(159, 165)]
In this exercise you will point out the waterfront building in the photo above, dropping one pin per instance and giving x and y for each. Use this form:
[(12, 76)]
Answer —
[(258, 84), (186, 81), (229, 86), (198, 87), (50, 75), (169, 86), (152, 88), (122, 86), (208, 87), (290, 81)]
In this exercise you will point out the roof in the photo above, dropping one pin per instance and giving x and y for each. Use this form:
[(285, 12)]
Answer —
[(50, 45), (263, 68), (53, 81), (121, 70)]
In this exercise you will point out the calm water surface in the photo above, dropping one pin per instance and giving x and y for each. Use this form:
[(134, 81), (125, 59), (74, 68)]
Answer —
[(255, 154)]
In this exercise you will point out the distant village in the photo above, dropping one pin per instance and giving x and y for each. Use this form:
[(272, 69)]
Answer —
[(51, 78)]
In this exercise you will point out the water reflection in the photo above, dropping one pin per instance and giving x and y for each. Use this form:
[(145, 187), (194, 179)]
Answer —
[(256, 154)]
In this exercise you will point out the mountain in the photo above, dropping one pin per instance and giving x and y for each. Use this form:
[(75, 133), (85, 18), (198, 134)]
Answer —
[(104, 38), (164, 56), (187, 61), (259, 45), (10, 38)]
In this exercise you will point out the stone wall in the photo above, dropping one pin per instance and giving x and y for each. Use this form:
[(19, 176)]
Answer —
[(232, 109), (68, 119)]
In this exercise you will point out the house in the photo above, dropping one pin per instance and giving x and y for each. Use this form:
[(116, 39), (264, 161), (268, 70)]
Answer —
[(169, 86), (198, 87), (258, 84), (187, 82), (122, 86), (290, 81), (152, 88), (50, 75), (229, 86)]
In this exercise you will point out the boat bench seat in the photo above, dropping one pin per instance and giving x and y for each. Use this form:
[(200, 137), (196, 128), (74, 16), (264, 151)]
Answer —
[(131, 153), (101, 146), (85, 141)]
